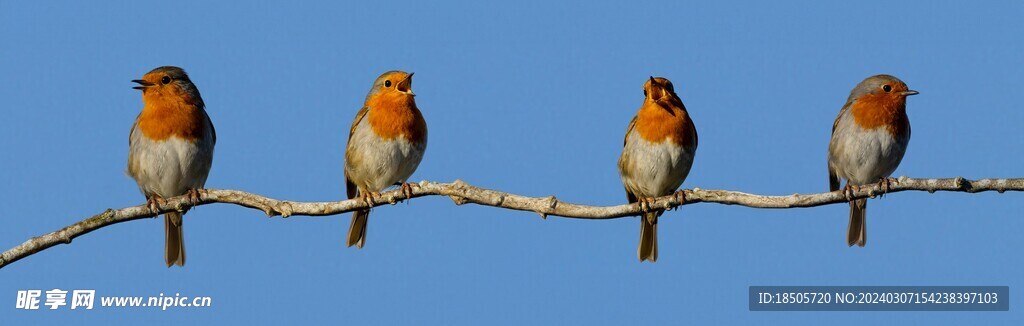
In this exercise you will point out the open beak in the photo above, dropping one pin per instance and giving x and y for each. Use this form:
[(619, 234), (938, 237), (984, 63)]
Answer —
[(405, 86), (143, 84), (908, 93)]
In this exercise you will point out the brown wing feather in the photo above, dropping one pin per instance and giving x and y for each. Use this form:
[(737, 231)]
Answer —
[(350, 188), (132, 164), (134, 124), (213, 131), (359, 117), (833, 179), (629, 129)]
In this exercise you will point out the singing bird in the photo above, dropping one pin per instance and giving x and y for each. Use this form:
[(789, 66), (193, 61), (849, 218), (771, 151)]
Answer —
[(170, 148), (385, 145), (656, 156), (869, 138)]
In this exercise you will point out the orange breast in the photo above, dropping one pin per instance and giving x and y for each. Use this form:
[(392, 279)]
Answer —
[(877, 110), (166, 116), (393, 115), (654, 123)]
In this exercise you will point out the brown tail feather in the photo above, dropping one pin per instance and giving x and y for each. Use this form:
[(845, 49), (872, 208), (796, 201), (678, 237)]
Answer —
[(648, 249), (858, 230), (357, 231), (174, 240)]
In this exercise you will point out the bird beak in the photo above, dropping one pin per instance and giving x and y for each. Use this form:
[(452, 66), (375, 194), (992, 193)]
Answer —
[(655, 92), (143, 83), (405, 86), (908, 93)]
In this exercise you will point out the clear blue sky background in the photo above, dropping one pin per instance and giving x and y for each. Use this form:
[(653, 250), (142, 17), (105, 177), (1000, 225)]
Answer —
[(531, 98)]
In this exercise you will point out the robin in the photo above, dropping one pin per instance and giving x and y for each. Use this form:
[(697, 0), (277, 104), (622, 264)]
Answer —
[(170, 148), (385, 145), (869, 138), (656, 156)]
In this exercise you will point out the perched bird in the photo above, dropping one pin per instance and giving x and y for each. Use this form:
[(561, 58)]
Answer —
[(657, 155), (869, 138), (170, 148), (385, 145)]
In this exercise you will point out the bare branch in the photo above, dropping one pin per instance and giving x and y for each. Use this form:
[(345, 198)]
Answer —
[(462, 193)]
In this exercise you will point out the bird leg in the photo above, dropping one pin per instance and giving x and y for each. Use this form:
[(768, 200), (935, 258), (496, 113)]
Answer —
[(154, 202)]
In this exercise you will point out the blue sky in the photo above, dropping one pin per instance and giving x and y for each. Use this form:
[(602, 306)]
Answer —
[(531, 98)]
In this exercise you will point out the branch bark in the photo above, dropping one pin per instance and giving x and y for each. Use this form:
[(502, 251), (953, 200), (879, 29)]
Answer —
[(462, 193)]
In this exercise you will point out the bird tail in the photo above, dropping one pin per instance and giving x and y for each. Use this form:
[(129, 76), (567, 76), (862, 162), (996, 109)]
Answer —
[(357, 231), (858, 230), (174, 240), (648, 249)]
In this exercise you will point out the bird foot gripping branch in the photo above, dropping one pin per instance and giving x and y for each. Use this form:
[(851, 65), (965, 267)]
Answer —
[(680, 198)]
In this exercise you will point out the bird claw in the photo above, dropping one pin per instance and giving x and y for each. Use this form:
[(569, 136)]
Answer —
[(848, 191), (680, 197), (645, 204), (369, 197), (407, 189), (886, 184), (154, 202), (194, 197)]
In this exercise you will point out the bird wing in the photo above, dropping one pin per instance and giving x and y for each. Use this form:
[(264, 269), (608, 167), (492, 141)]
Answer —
[(629, 129), (213, 131), (630, 197), (833, 178), (133, 135), (350, 188)]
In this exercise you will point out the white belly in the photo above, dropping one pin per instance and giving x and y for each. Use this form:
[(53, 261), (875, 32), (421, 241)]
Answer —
[(373, 163), (656, 169), (866, 155), (170, 167)]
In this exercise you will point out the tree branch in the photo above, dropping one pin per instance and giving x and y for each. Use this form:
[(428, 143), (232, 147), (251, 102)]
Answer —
[(462, 193)]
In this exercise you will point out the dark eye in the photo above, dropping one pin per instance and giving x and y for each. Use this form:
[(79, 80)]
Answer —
[(645, 93), (887, 88), (387, 83), (166, 80)]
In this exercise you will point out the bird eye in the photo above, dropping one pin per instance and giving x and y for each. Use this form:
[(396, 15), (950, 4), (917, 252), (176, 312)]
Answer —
[(645, 93), (887, 88), (387, 83), (166, 80)]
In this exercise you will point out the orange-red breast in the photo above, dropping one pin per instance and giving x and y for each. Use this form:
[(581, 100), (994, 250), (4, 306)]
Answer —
[(170, 149), (656, 157), (385, 145), (869, 138)]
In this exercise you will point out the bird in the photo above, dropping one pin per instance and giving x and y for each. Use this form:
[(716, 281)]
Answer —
[(657, 154), (869, 138), (170, 148), (385, 146)]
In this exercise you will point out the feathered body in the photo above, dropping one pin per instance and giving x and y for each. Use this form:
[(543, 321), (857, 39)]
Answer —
[(385, 145), (869, 138), (170, 147), (657, 155)]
